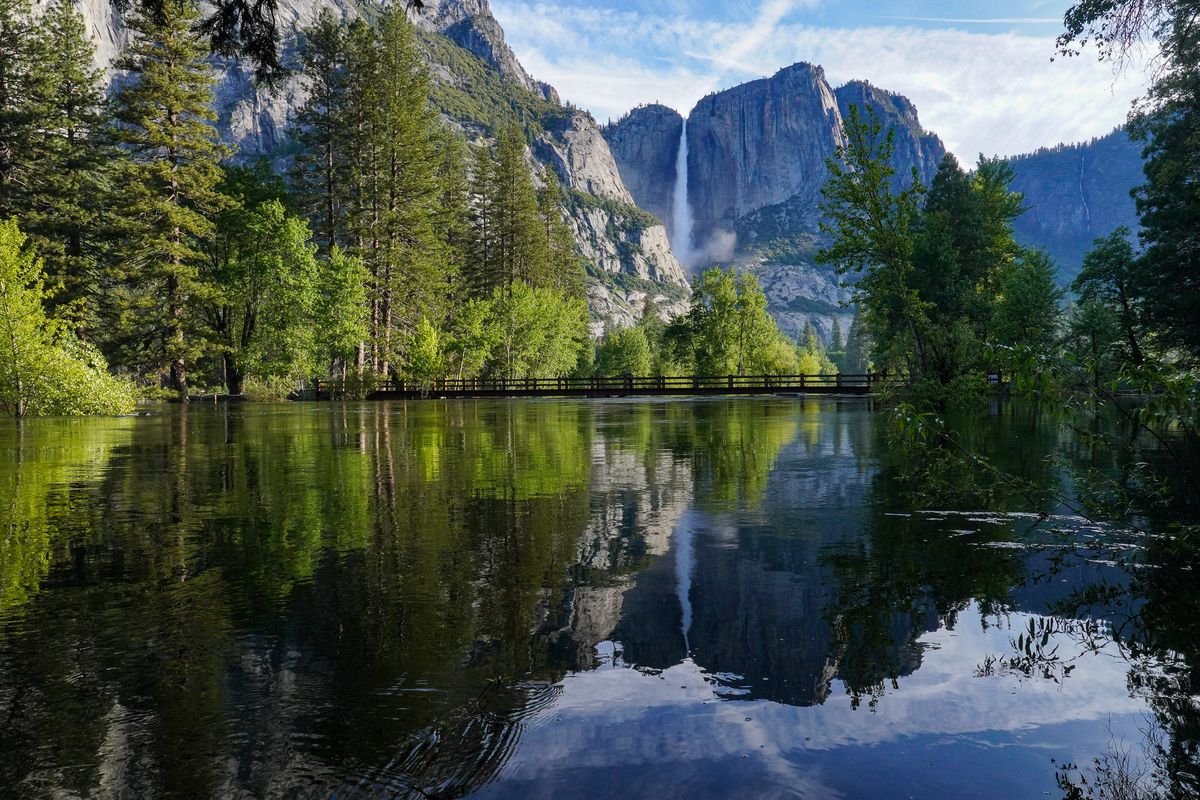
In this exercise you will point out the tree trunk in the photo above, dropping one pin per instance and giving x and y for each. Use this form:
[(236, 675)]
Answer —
[(235, 376)]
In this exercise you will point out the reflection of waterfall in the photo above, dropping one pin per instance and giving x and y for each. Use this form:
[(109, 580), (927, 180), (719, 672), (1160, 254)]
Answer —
[(681, 209), (685, 561)]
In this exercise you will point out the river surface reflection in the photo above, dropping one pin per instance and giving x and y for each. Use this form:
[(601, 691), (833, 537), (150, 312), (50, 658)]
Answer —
[(723, 598)]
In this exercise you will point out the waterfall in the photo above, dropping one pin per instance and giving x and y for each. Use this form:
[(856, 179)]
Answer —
[(685, 560), (681, 209)]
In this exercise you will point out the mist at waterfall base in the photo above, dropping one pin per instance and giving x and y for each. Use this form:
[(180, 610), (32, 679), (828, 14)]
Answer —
[(718, 246)]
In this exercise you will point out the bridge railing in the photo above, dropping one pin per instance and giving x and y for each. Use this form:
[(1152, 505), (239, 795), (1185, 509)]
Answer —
[(626, 384)]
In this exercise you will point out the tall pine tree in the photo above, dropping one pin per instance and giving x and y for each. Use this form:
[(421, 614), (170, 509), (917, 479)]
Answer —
[(71, 177), (18, 128), (164, 119), (321, 168)]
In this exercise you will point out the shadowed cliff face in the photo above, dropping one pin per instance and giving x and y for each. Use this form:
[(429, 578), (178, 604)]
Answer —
[(915, 147), (645, 144), (760, 144), (1077, 194)]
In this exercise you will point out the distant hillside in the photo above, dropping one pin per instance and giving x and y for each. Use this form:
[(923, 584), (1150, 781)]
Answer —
[(1076, 194)]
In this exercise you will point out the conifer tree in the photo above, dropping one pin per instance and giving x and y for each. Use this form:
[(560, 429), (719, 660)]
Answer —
[(453, 210), (321, 166), (564, 268), (520, 251), (164, 120), (71, 176), (18, 129), (395, 192)]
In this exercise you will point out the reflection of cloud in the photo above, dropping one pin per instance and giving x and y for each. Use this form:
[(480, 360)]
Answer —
[(621, 717), (982, 92)]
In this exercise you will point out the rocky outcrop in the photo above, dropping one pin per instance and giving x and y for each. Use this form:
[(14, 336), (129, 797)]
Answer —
[(760, 144), (1076, 194), (470, 25), (645, 144), (582, 158), (916, 148)]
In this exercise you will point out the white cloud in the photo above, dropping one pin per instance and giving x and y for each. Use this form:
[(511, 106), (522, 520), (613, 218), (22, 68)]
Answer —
[(998, 93)]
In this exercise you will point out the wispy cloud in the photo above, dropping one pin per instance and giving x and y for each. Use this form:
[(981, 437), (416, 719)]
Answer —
[(977, 21), (992, 92)]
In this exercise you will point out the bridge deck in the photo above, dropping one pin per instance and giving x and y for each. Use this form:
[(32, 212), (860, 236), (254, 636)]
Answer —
[(657, 386)]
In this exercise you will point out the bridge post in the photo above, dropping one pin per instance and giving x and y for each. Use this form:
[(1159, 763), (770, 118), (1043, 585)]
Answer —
[(839, 379)]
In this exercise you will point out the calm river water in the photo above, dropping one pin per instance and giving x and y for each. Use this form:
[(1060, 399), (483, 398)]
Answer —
[(701, 599)]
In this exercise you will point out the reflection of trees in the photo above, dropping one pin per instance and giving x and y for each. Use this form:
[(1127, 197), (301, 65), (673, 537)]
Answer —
[(316, 572), (43, 488)]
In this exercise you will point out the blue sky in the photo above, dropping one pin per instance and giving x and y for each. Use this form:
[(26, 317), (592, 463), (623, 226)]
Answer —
[(979, 72)]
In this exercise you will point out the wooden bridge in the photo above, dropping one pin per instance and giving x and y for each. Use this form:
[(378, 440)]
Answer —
[(629, 386)]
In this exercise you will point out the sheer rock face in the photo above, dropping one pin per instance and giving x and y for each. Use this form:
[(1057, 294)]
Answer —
[(645, 144), (760, 144), (583, 159)]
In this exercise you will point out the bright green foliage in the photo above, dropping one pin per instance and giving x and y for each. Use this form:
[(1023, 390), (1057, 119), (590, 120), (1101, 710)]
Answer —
[(625, 351), (662, 357), (426, 362), (341, 315), (811, 356), (44, 369), (1110, 277), (169, 190), (474, 336), (728, 331), (1026, 312), (265, 287), (541, 331)]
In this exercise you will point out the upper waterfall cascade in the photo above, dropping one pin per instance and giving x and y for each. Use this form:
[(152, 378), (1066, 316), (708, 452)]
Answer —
[(681, 209)]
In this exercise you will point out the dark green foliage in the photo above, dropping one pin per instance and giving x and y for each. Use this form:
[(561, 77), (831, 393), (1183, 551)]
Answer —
[(163, 114), (19, 52), (321, 171), (54, 166), (234, 28), (1169, 203), (1026, 311), (941, 276), (1109, 282)]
